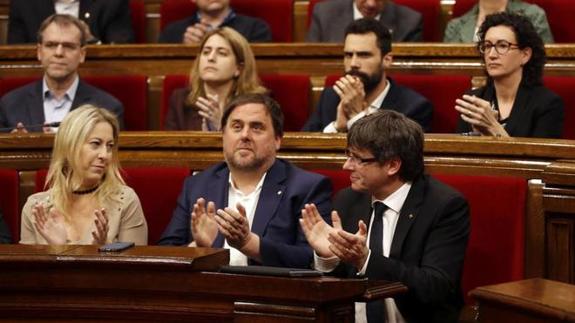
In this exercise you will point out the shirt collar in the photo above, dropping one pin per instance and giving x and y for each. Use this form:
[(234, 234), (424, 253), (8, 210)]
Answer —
[(376, 104), (357, 14), (257, 189), (70, 93), (396, 199)]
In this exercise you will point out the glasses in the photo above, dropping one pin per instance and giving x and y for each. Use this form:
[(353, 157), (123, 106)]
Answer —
[(52, 45), (351, 157), (501, 47)]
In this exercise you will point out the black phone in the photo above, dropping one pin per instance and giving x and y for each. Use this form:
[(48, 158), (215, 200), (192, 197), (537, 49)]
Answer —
[(116, 246)]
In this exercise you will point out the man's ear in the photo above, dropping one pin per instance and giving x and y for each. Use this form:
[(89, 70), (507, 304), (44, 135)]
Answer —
[(393, 166), (387, 60)]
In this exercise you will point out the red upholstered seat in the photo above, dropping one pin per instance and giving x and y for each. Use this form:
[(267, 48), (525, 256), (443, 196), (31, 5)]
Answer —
[(277, 13), (495, 252), (291, 91), (430, 10), (9, 201), (563, 86), (146, 181), (131, 90), (445, 89), (138, 17), (158, 206), (460, 7)]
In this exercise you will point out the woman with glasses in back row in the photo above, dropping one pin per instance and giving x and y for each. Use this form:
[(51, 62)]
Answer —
[(514, 102)]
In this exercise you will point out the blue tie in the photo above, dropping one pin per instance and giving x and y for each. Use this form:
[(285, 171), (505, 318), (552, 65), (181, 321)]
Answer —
[(376, 310)]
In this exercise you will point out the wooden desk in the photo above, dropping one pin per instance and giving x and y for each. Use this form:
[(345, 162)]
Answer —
[(76, 283), (526, 301)]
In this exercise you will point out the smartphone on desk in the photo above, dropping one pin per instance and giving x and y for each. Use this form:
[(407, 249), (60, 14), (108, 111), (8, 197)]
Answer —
[(116, 246)]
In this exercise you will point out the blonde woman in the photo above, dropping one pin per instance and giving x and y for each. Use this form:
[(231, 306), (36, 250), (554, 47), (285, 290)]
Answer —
[(224, 68), (87, 201)]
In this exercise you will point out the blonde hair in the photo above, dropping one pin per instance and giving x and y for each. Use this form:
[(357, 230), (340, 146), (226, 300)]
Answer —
[(248, 80), (63, 178)]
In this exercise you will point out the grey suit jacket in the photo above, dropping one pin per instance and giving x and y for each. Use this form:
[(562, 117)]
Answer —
[(26, 105), (330, 18), (462, 29)]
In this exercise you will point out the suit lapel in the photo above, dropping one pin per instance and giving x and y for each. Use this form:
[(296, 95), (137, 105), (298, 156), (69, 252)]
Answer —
[(407, 216), (82, 95), (468, 24), (273, 191), (359, 210), (34, 106), (217, 192), (390, 100), (520, 106)]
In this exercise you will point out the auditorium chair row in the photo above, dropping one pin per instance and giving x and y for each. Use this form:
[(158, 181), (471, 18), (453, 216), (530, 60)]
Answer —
[(279, 14), (495, 252), (293, 92)]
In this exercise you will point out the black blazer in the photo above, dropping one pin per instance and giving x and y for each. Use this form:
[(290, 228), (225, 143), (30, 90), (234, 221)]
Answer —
[(26, 105), (427, 250), (536, 112), (399, 98), (253, 29), (109, 20)]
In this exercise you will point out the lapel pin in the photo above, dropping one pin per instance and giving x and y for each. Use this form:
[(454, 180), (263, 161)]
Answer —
[(279, 192), (410, 216), (87, 15)]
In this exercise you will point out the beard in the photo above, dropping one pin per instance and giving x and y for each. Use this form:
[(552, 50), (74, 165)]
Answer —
[(370, 82), (251, 162)]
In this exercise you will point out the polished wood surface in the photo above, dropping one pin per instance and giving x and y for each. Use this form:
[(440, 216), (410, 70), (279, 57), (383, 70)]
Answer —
[(532, 300), (76, 283)]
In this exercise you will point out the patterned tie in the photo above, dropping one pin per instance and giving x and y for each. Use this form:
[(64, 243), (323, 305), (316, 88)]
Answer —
[(376, 310)]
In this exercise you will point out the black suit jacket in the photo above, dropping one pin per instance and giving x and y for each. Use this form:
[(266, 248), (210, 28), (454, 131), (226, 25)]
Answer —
[(536, 112), (330, 18), (253, 29), (26, 105), (399, 98), (109, 20), (427, 250)]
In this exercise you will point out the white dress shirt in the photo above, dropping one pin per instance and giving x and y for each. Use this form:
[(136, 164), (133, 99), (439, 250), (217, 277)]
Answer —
[(250, 203), (394, 203), (67, 7)]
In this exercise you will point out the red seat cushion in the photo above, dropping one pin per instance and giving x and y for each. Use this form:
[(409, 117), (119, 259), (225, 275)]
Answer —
[(282, 87), (277, 13), (563, 86), (460, 7), (9, 201), (138, 17)]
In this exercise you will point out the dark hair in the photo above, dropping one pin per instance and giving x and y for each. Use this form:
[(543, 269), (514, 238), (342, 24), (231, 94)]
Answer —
[(63, 20), (388, 134), (368, 25), (272, 107), (526, 36)]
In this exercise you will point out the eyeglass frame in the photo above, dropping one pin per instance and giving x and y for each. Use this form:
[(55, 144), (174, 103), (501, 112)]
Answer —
[(358, 160), (484, 48)]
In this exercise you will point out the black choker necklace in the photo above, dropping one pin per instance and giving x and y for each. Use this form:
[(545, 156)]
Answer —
[(88, 191)]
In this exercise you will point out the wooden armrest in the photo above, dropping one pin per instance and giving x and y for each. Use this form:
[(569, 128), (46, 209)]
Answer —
[(380, 289)]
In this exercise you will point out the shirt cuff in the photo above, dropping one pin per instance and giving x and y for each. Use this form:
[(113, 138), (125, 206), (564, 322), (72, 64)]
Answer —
[(325, 265), (364, 268), (330, 128), (358, 116)]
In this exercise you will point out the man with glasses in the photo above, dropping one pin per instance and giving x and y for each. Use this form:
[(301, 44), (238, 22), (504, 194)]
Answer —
[(394, 223), (40, 105), (365, 87)]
